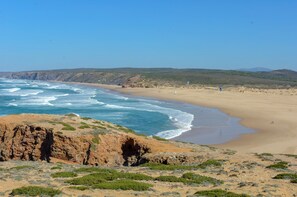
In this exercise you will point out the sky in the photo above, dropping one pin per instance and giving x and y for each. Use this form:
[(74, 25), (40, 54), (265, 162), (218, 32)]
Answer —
[(213, 34)]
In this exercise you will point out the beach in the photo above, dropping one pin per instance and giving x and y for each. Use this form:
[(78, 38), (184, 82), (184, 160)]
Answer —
[(272, 113)]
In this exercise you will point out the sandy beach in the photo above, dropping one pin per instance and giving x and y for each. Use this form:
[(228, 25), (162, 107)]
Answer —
[(271, 113)]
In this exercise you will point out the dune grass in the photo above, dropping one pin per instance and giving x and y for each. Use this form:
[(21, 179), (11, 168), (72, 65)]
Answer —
[(35, 191), (218, 193)]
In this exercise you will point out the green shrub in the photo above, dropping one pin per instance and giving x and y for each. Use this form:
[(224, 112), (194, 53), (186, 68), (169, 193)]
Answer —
[(96, 140), (199, 179), (87, 180), (21, 167), (94, 169), (84, 125), (218, 193), (56, 168), (67, 127), (279, 165), (286, 176), (35, 191), (208, 163), (125, 129), (190, 178), (123, 185), (63, 175), (103, 175), (81, 188), (170, 179)]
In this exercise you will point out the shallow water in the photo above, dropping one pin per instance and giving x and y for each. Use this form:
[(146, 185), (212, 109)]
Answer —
[(148, 116)]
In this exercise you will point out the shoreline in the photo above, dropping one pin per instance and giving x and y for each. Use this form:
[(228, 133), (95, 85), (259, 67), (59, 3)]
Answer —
[(269, 112), (212, 127)]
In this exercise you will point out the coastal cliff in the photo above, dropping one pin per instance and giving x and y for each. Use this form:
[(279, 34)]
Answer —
[(48, 155), (78, 140)]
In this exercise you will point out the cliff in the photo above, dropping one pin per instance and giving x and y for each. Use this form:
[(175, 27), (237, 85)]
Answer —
[(78, 140), (48, 155)]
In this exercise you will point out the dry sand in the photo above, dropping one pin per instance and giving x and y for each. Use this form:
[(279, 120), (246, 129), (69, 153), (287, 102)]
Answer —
[(271, 113)]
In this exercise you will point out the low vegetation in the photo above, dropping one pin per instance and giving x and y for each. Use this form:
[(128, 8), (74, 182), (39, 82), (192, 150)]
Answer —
[(291, 155), (63, 175), (56, 168), (190, 178), (81, 188), (110, 179), (294, 181), (84, 126), (286, 176), (208, 163), (67, 127), (217, 193), (159, 138), (123, 185), (125, 129), (94, 169), (21, 167), (279, 165), (35, 191)]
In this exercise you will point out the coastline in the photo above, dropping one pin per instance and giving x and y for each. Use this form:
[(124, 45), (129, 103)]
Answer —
[(271, 113)]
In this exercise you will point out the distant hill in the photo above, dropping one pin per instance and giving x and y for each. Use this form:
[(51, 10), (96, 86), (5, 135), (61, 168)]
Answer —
[(255, 69), (151, 77)]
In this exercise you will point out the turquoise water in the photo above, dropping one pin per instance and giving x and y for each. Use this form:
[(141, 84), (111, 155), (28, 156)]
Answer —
[(146, 116)]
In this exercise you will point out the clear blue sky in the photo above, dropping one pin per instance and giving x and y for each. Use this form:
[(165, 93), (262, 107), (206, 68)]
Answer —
[(221, 34)]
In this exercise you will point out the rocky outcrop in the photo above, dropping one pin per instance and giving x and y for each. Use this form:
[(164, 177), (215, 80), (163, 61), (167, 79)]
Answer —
[(20, 140)]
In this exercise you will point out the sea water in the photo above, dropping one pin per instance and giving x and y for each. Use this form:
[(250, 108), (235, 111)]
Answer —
[(150, 117)]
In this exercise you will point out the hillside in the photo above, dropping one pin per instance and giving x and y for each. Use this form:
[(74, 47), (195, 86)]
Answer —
[(151, 77), (74, 156)]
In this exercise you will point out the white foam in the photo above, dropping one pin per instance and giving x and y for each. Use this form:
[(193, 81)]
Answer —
[(118, 107), (39, 101), (182, 120), (12, 104), (12, 89), (31, 92)]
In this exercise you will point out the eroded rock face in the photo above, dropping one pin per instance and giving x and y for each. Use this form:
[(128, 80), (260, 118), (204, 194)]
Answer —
[(25, 143), (28, 142), (43, 137)]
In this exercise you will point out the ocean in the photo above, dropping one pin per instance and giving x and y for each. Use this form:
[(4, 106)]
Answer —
[(150, 117), (147, 116)]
